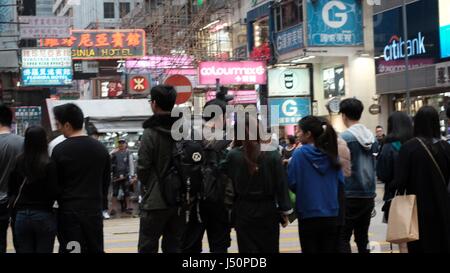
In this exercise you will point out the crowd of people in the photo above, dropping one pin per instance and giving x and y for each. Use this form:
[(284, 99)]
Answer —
[(189, 188)]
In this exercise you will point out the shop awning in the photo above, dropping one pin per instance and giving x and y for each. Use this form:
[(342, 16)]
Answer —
[(109, 115)]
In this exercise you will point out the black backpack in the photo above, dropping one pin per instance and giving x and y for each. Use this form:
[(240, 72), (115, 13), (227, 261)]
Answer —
[(182, 183)]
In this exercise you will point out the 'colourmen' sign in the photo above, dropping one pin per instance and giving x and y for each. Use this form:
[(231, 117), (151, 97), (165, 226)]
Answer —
[(245, 72), (102, 44)]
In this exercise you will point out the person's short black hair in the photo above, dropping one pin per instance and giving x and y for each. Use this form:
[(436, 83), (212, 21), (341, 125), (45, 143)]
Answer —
[(379, 127), (165, 96), (69, 113), (291, 139), (6, 115), (448, 110), (352, 108), (426, 123), (217, 102)]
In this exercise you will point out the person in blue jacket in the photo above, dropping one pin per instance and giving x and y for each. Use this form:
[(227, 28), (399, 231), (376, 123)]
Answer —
[(315, 176)]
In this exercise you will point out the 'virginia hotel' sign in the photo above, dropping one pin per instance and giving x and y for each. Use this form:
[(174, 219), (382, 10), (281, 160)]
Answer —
[(102, 44)]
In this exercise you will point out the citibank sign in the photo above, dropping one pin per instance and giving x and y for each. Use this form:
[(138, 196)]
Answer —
[(395, 49)]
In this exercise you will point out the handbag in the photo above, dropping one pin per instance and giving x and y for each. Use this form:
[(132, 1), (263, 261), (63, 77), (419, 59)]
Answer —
[(403, 223)]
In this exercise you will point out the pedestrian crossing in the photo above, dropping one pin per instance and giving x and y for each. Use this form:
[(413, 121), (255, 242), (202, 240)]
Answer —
[(121, 236)]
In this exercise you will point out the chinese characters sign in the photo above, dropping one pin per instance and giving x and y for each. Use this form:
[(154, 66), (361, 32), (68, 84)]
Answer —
[(102, 44), (290, 39), (246, 72), (35, 27), (46, 67), (49, 57), (27, 116), (335, 23)]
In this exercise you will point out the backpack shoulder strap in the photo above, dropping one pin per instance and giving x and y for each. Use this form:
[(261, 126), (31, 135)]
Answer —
[(433, 159)]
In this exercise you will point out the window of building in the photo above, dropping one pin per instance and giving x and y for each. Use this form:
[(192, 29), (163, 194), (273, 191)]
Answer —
[(289, 13), (108, 10), (124, 9)]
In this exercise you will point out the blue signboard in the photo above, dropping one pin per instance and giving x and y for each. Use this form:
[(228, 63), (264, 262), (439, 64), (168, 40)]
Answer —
[(47, 76), (290, 39), (335, 23), (288, 111), (444, 27)]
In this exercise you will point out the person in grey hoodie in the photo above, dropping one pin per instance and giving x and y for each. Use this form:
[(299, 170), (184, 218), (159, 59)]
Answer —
[(360, 186)]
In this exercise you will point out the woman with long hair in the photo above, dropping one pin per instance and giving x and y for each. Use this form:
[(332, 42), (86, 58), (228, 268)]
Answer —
[(32, 190), (400, 130), (424, 170), (261, 192), (315, 176)]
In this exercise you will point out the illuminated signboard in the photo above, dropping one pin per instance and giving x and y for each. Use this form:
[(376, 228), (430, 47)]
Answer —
[(47, 67), (102, 44), (422, 41), (444, 27), (245, 72)]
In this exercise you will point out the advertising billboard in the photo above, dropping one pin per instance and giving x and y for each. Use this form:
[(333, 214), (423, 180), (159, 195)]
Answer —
[(444, 27), (290, 39), (245, 72), (289, 82), (102, 43), (288, 111), (47, 67), (335, 23), (422, 41)]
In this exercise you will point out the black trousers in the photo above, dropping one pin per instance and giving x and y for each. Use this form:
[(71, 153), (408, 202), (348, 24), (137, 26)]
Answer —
[(358, 212), (215, 221), (156, 223), (257, 227), (319, 235), (4, 224), (80, 231)]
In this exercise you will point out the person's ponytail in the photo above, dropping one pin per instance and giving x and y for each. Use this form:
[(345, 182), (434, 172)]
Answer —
[(325, 137)]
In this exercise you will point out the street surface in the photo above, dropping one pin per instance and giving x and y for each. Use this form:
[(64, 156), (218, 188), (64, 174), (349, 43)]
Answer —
[(121, 235)]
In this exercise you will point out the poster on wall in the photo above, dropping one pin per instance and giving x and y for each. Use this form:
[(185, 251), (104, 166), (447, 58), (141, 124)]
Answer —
[(288, 111), (334, 82), (335, 23), (289, 82)]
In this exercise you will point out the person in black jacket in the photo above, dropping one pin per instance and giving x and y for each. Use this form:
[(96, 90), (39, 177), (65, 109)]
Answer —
[(158, 219), (400, 130), (84, 175), (418, 174), (261, 193), (33, 189)]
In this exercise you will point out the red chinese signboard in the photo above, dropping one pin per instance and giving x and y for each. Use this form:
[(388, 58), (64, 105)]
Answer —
[(102, 43)]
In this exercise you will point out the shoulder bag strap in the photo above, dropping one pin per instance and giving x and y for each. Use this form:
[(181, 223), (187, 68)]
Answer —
[(20, 193), (434, 160)]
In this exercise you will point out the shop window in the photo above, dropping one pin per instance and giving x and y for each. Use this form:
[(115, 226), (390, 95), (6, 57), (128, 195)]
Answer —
[(108, 10), (261, 33), (288, 14)]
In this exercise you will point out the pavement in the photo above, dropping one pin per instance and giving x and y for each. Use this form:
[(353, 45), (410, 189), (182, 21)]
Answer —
[(121, 235)]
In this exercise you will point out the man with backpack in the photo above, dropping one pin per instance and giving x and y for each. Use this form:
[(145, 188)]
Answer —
[(160, 217), (211, 212)]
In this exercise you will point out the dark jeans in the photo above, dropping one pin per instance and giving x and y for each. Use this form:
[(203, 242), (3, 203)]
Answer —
[(4, 223), (156, 223), (358, 212), (214, 220), (80, 231), (319, 235), (35, 231)]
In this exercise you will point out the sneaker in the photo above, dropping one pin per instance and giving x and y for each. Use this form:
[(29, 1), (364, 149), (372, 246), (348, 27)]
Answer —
[(106, 215)]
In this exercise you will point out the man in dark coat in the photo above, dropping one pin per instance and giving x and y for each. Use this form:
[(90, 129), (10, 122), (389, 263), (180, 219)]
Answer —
[(155, 155)]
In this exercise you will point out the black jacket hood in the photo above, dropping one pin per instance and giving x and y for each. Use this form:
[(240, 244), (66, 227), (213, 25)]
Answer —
[(160, 122)]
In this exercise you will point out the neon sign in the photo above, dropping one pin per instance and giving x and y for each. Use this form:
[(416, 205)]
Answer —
[(395, 49)]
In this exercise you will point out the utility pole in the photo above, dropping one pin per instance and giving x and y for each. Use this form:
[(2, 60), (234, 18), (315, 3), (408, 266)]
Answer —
[(405, 49)]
